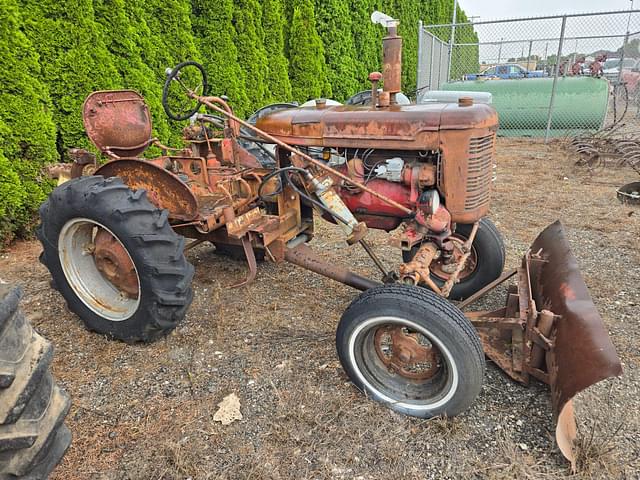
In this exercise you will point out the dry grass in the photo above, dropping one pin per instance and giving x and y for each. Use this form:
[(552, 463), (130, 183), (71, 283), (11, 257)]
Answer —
[(146, 412), (601, 432)]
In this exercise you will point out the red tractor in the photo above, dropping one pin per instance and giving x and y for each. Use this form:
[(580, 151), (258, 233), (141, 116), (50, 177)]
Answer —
[(114, 241)]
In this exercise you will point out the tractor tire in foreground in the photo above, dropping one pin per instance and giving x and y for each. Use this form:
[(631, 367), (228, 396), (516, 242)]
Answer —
[(115, 259), (412, 350), (33, 437)]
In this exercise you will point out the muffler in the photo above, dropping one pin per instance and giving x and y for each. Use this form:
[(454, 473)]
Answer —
[(550, 330)]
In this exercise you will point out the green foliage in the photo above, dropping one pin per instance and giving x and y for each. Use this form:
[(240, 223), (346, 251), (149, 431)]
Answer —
[(334, 26), (169, 41), (252, 56), (77, 60), (273, 22), (53, 54), (122, 31), (466, 60), (216, 39), (367, 39), (307, 69), (12, 196), (27, 131), (408, 13)]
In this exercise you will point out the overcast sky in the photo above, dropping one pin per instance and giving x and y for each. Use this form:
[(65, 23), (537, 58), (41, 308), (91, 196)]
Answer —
[(493, 9), (502, 41)]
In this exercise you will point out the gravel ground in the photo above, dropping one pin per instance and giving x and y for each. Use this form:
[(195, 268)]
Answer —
[(146, 411)]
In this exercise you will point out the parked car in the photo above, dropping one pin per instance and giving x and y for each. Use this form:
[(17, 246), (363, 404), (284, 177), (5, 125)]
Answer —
[(506, 71)]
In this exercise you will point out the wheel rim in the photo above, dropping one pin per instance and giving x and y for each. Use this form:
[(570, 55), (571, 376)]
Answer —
[(99, 269), (443, 271), (427, 388)]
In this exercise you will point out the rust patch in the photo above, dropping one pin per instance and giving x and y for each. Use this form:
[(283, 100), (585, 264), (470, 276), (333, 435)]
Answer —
[(117, 122), (407, 353), (164, 189), (113, 261)]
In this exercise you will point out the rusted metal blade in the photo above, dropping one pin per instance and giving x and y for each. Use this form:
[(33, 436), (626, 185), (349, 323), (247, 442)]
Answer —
[(582, 353)]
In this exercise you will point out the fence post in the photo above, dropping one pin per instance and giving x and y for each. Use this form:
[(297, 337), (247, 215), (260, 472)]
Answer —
[(453, 37), (624, 47), (431, 55), (440, 67), (419, 62), (555, 79), (529, 56)]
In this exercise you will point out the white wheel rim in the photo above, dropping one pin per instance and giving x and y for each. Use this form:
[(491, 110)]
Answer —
[(83, 276), (452, 382)]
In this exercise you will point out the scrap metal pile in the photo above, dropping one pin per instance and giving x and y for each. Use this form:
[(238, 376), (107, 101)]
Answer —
[(610, 148), (604, 149)]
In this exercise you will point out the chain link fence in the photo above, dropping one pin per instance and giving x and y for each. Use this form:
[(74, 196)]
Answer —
[(548, 76)]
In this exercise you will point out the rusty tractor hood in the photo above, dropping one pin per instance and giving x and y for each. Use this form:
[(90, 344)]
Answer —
[(404, 127)]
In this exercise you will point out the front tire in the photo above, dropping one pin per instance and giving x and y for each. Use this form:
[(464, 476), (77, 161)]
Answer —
[(412, 350), (137, 287)]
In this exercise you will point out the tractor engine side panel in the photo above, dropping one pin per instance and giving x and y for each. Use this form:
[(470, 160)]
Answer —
[(465, 172)]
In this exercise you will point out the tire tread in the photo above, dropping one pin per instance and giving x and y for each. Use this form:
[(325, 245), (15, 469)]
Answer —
[(164, 265), (33, 437)]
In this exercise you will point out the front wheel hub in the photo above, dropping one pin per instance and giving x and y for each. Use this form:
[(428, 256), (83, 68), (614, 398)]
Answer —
[(407, 353), (444, 267)]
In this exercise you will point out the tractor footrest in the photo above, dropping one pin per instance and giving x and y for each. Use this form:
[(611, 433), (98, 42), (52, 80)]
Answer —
[(252, 221)]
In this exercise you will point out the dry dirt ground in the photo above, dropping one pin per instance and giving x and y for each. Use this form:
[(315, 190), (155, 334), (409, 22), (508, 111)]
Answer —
[(146, 411)]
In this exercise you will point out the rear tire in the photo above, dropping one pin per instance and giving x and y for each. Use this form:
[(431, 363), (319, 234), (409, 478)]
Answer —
[(143, 231), (445, 369), (33, 438), (490, 256)]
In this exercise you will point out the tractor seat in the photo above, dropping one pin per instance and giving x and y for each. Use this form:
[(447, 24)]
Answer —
[(118, 122)]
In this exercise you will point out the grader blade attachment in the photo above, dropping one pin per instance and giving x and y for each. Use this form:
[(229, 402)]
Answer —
[(550, 330)]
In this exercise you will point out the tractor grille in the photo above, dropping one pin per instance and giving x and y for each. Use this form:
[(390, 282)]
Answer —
[(479, 168)]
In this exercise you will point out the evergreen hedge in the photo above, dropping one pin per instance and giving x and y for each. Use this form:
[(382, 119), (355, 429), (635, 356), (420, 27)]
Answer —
[(53, 54)]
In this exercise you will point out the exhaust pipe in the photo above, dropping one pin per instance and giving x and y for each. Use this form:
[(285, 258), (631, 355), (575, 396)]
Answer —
[(391, 59)]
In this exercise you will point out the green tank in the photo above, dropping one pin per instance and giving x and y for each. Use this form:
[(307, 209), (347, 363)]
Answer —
[(523, 104)]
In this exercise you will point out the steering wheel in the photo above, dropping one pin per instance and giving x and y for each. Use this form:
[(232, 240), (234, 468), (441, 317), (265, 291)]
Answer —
[(184, 78)]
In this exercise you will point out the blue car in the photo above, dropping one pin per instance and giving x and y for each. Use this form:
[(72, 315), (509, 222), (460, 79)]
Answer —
[(506, 71)]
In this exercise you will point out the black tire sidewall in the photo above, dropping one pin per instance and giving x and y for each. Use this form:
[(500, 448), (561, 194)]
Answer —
[(468, 358), (78, 203)]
